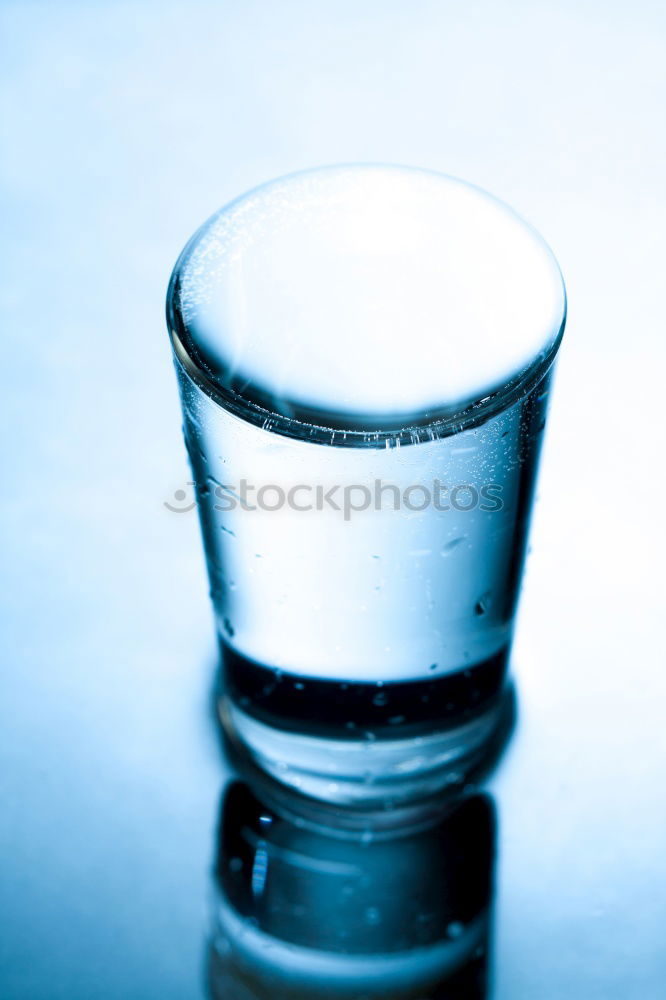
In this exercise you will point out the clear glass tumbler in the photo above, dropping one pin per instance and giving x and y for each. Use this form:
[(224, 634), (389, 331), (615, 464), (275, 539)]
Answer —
[(364, 355)]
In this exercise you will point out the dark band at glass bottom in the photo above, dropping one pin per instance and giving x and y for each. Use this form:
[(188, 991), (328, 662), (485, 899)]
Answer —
[(352, 709)]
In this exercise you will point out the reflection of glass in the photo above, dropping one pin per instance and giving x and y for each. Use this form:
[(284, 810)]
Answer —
[(307, 912), (380, 338)]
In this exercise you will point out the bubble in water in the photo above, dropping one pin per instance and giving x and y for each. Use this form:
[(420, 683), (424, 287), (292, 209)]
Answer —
[(380, 699), (454, 929), (373, 916)]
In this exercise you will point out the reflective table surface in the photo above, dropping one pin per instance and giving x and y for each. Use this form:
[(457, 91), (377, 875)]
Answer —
[(127, 124)]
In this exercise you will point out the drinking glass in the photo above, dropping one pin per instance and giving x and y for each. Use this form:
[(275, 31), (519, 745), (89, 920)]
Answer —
[(364, 356)]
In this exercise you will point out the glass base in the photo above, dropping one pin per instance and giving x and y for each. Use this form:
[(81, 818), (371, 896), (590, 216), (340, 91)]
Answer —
[(367, 774), (245, 964)]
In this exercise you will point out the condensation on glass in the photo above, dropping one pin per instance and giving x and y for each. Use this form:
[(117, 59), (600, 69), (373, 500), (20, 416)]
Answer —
[(364, 357)]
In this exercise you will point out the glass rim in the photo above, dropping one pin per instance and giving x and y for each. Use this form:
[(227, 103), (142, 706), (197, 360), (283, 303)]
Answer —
[(338, 428), (431, 427)]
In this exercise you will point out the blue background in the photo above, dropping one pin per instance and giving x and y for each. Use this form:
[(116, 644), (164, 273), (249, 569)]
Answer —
[(127, 124)]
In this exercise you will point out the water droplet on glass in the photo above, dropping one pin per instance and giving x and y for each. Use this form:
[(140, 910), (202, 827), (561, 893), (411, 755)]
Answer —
[(450, 546), (482, 605)]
